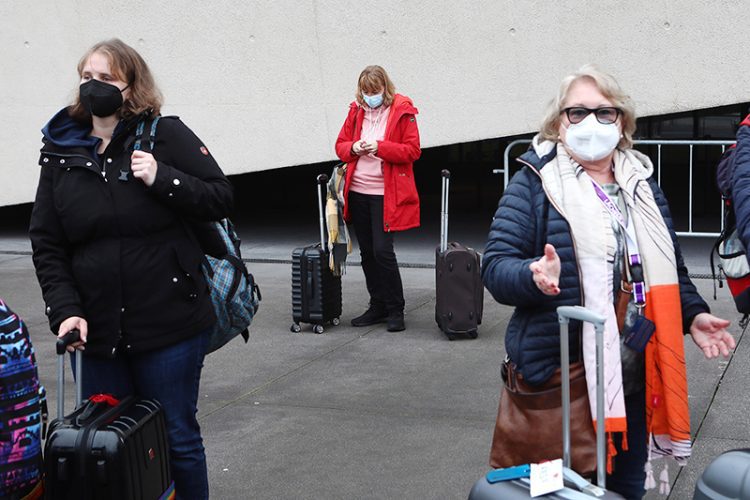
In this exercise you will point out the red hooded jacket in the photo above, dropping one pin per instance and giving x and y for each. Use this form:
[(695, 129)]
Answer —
[(398, 150)]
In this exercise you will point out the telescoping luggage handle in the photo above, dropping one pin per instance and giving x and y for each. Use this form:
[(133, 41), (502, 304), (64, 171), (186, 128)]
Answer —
[(565, 314), (322, 180), (444, 210), (62, 343)]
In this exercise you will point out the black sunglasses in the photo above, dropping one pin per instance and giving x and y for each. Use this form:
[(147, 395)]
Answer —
[(605, 115)]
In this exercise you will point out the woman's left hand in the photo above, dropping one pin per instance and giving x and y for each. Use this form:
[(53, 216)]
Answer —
[(144, 166), (710, 334)]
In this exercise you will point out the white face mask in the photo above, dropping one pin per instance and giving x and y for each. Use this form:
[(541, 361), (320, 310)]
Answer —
[(591, 140)]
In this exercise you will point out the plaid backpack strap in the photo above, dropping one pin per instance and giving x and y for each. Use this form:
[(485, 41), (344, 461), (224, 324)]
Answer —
[(143, 134), (146, 134)]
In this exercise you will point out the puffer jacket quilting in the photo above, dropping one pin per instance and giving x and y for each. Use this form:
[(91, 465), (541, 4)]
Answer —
[(523, 223)]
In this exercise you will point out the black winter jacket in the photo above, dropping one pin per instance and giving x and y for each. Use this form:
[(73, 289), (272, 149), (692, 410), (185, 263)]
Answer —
[(118, 253), (524, 222)]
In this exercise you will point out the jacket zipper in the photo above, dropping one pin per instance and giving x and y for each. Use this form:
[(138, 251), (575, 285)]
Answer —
[(557, 207)]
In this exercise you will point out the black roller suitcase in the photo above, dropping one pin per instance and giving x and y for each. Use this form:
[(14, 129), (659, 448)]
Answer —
[(316, 292), (459, 292), (576, 487), (108, 452)]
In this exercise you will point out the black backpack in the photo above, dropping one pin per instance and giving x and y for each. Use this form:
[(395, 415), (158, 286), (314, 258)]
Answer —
[(733, 263)]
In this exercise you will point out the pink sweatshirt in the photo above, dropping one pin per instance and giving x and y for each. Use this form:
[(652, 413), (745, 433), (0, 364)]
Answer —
[(368, 176)]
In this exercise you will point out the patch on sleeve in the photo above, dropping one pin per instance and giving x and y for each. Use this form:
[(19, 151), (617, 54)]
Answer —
[(204, 150)]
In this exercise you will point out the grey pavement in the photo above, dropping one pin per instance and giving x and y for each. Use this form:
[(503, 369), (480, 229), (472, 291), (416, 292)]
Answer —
[(365, 413)]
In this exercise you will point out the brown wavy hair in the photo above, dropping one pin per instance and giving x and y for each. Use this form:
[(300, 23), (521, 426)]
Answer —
[(372, 79), (127, 65)]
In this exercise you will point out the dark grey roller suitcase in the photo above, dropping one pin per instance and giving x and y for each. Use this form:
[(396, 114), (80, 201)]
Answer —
[(727, 476), (114, 451), (459, 292), (316, 292), (576, 487)]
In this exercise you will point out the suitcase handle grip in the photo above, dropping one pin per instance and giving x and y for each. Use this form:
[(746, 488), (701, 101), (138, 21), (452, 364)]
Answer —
[(69, 338), (322, 179), (566, 313), (445, 173)]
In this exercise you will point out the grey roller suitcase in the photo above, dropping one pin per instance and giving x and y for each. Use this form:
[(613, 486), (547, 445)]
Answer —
[(459, 292), (727, 476), (576, 487)]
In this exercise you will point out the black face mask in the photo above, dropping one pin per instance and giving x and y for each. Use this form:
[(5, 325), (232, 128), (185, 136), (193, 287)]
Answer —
[(100, 98)]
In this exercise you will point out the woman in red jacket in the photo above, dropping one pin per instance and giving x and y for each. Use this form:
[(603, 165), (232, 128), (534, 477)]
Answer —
[(379, 141)]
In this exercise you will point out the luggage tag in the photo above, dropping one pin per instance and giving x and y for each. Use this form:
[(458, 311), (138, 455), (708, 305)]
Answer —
[(640, 333), (546, 477), (508, 473)]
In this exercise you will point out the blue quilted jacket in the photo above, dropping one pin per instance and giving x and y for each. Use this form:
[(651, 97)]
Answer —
[(524, 222)]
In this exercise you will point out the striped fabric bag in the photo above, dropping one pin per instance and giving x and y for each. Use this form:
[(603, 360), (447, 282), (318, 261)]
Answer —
[(23, 410)]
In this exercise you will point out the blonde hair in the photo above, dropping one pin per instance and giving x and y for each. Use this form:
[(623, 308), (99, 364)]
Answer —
[(126, 65), (609, 88), (371, 80)]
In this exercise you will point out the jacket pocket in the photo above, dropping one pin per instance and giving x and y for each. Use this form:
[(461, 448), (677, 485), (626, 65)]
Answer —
[(189, 267), (406, 189)]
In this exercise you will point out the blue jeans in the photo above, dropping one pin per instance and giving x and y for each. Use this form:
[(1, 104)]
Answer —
[(171, 376), (629, 476)]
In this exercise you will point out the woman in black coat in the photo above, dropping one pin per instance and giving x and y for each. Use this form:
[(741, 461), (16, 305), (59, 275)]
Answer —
[(111, 249)]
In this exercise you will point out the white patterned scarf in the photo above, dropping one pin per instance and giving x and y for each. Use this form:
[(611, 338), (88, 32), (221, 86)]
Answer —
[(572, 193)]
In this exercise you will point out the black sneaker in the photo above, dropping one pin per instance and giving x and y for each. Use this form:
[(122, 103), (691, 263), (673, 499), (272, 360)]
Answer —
[(396, 322), (372, 316)]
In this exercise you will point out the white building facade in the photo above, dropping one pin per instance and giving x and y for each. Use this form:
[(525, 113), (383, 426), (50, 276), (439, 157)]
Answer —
[(266, 84)]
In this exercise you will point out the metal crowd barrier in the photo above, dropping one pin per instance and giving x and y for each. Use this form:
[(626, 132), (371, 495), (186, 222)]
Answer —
[(658, 163)]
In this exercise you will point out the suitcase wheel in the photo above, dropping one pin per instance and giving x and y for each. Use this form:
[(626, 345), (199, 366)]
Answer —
[(473, 334), (335, 322), (318, 329), (451, 337), (295, 328)]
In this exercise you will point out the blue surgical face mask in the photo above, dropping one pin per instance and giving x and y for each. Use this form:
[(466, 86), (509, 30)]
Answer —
[(373, 101)]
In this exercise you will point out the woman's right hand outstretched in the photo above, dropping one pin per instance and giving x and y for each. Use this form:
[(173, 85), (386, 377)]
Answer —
[(71, 324), (546, 271)]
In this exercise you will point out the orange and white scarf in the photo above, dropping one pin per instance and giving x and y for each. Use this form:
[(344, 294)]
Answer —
[(667, 415)]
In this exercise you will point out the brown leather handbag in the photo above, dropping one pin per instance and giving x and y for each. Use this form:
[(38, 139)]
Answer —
[(529, 421)]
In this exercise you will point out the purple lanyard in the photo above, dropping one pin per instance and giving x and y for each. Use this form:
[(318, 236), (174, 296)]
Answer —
[(634, 258)]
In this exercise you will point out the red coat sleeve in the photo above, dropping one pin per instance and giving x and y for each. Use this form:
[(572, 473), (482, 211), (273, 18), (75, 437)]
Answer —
[(405, 149), (346, 137)]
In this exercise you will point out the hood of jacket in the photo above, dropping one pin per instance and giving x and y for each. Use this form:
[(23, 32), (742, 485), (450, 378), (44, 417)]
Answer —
[(62, 130)]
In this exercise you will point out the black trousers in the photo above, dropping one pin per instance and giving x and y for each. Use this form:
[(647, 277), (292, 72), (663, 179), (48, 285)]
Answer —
[(376, 248)]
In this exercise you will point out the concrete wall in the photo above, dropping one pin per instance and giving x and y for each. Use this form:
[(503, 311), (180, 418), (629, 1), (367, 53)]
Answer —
[(266, 83)]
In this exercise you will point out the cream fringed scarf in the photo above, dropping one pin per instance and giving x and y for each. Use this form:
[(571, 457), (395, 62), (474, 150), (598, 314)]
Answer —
[(572, 193)]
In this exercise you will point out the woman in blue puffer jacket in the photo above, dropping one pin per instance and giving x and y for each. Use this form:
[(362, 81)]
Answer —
[(581, 221)]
